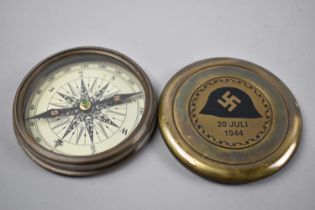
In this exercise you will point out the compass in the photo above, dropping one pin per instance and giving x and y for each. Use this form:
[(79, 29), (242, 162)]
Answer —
[(84, 110)]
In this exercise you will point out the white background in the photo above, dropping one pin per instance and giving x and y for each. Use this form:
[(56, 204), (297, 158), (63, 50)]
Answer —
[(162, 37)]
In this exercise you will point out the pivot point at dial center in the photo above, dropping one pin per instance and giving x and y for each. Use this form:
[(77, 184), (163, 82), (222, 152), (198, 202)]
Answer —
[(85, 104)]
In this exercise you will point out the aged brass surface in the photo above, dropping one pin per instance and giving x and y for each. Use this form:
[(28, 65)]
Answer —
[(92, 164), (229, 120)]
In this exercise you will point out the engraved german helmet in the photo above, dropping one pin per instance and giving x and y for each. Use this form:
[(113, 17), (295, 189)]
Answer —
[(231, 103)]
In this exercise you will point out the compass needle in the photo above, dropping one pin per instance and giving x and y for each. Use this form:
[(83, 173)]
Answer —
[(116, 99), (53, 113)]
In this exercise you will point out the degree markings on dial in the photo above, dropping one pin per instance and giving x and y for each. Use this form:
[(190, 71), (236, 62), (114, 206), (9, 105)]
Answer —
[(51, 89), (124, 131)]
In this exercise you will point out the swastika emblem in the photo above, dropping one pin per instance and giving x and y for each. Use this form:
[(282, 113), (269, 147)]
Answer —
[(228, 101)]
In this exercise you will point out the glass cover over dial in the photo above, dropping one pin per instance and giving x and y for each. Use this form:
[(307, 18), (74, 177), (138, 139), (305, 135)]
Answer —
[(84, 108)]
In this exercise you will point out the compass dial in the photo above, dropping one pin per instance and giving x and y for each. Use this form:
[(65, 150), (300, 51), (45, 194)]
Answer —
[(85, 108)]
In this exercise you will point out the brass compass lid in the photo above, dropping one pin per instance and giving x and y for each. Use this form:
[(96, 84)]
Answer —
[(229, 120)]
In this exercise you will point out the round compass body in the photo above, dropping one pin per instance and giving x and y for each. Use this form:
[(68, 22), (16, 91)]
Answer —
[(83, 110), (229, 120)]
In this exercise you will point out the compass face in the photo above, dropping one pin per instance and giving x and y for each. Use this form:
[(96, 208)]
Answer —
[(84, 108)]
